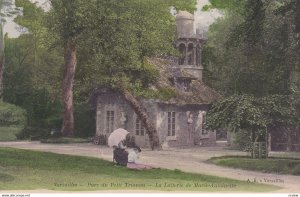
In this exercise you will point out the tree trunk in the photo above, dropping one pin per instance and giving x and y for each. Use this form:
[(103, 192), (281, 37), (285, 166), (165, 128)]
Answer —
[(1, 74), (253, 135), (141, 113), (269, 141), (67, 87)]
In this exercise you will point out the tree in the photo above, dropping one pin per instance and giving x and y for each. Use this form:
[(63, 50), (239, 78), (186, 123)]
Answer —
[(5, 11), (115, 53), (141, 33), (33, 72), (2, 57), (257, 116), (256, 56), (68, 23), (256, 50)]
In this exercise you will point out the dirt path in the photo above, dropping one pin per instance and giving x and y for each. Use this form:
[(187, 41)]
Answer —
[(188, 160)]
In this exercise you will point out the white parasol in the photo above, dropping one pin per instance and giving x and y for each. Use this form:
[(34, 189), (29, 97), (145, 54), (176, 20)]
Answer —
[(117, 136)]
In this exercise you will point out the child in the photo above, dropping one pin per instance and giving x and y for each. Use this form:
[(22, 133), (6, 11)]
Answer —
[(133, 159)]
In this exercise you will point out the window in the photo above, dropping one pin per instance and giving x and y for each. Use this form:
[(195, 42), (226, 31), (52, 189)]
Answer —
[(191, 54), (198, 54), (110, 118), (171, 123), (139, 128), (182, 50), (204, 131), (186, 83)]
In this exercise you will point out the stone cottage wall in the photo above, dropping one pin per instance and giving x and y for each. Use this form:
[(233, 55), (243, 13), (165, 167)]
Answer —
[(122, 113), (125, 117), (188, 130)]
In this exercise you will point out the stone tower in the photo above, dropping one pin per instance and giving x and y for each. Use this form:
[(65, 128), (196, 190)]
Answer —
[(189, 45)]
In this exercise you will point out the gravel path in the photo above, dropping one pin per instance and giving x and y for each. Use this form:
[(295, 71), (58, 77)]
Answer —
[(188, 160)]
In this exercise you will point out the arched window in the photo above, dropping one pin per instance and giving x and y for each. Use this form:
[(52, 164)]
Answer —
[(182, 54), (191, 54), (204, 130), (198, 58)]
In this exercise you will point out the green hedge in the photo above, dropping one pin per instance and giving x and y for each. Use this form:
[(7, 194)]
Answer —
[(84, 120), (11, 115), (65, 140)]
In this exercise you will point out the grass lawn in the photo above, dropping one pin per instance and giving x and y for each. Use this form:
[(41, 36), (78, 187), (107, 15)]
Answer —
[(9, 133), (271, 164), (29, 170)]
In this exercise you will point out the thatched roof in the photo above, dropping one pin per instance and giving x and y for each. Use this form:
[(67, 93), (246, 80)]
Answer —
[(199, 93)]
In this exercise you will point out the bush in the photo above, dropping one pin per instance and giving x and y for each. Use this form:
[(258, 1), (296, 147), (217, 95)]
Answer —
[(64, 140), (242, 140), (43, 115), (34, 133), (84, 120), (9, 133), (11, 115), (43, 111)]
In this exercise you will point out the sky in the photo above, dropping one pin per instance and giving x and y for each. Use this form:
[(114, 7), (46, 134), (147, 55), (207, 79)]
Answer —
[(15, 30), (10, 27), (202, 19)]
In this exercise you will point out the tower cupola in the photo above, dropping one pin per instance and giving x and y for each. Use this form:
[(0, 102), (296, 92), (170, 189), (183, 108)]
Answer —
[(185, 24), (189, 45)]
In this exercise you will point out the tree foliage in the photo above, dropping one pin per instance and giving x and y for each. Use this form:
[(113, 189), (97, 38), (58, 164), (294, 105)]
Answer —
[(253, 51), (130, 31), (11, 115), (112, 39), (115, 53), (245, 112), (32, 72), (6, 10), (252, 57)]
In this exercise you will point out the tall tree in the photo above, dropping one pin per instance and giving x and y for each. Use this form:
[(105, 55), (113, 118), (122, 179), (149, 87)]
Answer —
[(2, 57), (68, 22), (139, 29), (113, 38), (256, 56), (33, 72), (253, 49), (5, 11)]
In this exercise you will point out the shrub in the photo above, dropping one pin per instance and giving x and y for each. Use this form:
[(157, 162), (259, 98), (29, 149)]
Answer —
[(34, 133), (43, 111), (11, 115), (43, 115), (84, 120), (99, 139), (64, 140), (242, 140)]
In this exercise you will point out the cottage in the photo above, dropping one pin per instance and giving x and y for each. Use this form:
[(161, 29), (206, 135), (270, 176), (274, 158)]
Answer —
[(179, 121)]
